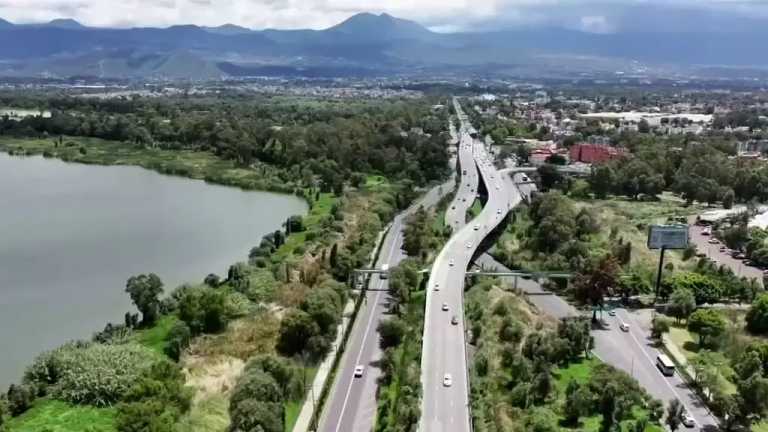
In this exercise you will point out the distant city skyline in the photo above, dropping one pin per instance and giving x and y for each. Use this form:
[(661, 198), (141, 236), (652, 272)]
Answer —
[(597, 16)]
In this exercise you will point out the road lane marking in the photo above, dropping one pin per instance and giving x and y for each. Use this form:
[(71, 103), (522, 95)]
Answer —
[(367, 329), (671, 388)]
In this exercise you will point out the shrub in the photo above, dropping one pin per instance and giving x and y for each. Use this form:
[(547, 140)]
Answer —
[(178, 340), (95, 374), (256, 384), (203, 309), (757, 317), (156, 401), (253, 415), (20, 398)]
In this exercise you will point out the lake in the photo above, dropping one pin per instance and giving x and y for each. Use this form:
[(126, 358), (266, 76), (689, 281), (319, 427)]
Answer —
[(72, 234)]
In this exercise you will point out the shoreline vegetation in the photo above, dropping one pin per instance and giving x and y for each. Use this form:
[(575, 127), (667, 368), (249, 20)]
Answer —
[(270, 324), (192, 164), (236, 351)]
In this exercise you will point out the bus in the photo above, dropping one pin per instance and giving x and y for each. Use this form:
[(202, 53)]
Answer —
[(665, 365), (385, 271)]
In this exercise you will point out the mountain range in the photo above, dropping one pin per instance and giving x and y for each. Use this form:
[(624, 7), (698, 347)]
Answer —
[(363, 45)]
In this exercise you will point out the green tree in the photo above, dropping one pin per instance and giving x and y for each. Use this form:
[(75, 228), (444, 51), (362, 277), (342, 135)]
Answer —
[(391, 332), (655, 410), (705, 288), (324, 306), (602, 180), (550, 177), (674, 414), (203, 309), (728, 198), (541, 420), (145, 293), (708, 324), (296, 328), (256, 416), (20, 398), (578, 400), (712, 371), (757, 316), (682, 303), (178, 340), (659, 327)]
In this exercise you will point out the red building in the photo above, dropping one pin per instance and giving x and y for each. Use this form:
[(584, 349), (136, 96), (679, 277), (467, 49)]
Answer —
[(594, 153)]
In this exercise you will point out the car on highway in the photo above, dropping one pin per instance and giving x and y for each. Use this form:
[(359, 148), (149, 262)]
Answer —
[(624, 326), (525, 178), (447, 380), (687, 420), (359, 371), (498, 211), (612, 312), (477, 227), (445, 307), (453, 207), (469, 245), (454, 320), (450, 262), (437, 286), (713, 241)]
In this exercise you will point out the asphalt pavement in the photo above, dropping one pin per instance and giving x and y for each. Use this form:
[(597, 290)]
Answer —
[(712, 250), (444, 376), (351, 404)]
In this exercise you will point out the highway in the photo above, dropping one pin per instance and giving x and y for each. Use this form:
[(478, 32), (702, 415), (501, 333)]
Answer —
[(351, 404), (445, 406)]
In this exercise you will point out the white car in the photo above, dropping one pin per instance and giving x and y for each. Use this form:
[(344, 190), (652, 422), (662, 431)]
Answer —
[(469, 245), (498, 211), (445, 306), (687, 420), (359, 371), (624, 326), (437, 286), (450, 262), (447, 380), (477, 227)]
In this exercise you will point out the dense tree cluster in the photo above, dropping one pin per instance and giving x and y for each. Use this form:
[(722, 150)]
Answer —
[(323, 140), (514, 372), (257, 401)]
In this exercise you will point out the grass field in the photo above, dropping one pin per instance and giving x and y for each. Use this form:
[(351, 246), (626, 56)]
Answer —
[(156, 337), (56, 416)]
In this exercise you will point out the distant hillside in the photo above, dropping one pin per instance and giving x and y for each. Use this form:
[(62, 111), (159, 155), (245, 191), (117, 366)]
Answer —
[(362, 45)]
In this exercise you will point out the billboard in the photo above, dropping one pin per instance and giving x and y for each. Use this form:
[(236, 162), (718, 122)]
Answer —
[(668, 236)]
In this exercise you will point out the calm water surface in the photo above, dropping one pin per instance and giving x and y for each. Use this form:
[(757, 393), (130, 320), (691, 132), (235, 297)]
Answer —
[(71, 235)]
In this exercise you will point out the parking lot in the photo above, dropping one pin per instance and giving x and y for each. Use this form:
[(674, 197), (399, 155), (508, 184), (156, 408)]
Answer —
[(712, 249)]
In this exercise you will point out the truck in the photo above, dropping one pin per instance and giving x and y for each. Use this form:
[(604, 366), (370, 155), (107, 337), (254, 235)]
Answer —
[(384, 271)]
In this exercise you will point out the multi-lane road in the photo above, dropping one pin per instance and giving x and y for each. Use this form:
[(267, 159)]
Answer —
[(351, 404), (444, 377)]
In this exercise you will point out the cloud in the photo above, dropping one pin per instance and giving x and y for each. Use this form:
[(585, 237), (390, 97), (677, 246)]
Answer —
[(601, 16)]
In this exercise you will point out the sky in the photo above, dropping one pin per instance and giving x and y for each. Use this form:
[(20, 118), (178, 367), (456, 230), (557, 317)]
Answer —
[(598, 16)]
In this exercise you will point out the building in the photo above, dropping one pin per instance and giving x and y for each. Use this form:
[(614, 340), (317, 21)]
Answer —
[(594, 153)]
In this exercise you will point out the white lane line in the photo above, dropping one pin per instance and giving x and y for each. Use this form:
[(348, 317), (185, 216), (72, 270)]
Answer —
[(671, 388), (367, 329)]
